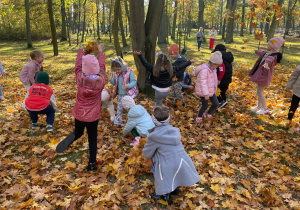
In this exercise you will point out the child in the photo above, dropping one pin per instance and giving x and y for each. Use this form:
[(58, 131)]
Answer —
[(262, 72), (138, 120), (187, 83), (224, 73), (161, 74), (200, 36), (294, 82), (176, 91), (30, 71), (206, 85), (125, 84), (172, 167), (1, 73), (107, 102), (212, 35), (41, 100), (90, 78)]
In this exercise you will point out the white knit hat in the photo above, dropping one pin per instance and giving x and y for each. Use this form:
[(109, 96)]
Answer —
[(216, 58)]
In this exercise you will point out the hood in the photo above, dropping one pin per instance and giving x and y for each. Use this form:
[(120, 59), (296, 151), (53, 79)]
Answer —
[(199, 68), (136, 111), (228, 57), (165, 134)]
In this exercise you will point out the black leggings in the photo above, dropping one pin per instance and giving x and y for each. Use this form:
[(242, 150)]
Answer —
[(294, 106), (91, 128), (223, 88)]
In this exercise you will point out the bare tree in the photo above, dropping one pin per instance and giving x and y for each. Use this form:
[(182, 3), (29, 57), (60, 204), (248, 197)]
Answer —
[(63, 21), (52, 26), (231, 4), (116, 29), (28, 33)]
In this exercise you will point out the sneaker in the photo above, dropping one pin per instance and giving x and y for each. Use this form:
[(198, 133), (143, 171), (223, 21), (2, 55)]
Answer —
[(263, 111), (2, 98), (64, 144), (254, 108), (198, 119), (49, 128), (222, 104), (92, 167), (136, 141), (34, 125), (207, 115)]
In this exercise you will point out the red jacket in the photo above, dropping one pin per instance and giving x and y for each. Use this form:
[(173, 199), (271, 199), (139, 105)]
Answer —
[(221, 71), (39, 97), (88, 103)]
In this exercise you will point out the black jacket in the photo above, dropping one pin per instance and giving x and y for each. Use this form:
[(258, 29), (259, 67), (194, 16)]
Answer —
[(180, 71), (163, 80), (227, 60)]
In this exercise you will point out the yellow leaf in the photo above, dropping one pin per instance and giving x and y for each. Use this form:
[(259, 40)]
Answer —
[(163, 202), (70, 164), (122, 176), (261, 128), (229, 190), (215, 188), (190, 195)]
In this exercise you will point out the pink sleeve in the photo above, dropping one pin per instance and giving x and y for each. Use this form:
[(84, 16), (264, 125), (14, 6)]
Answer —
[(203, 82), (31, 74), (221, 71), (101, 59), (78, 64), (259, 52)]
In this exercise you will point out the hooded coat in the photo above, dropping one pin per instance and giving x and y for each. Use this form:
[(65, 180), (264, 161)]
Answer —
[(227, 60), (207, 81), (173, 166), (138, 118)]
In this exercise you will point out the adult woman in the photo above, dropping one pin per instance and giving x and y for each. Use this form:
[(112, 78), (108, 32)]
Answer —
[(212, 35), (200, 36)]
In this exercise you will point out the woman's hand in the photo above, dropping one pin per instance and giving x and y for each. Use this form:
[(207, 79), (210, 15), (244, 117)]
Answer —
[(137, 52)]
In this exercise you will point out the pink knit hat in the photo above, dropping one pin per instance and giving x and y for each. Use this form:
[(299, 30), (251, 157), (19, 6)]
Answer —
[(276, 42), (216, 58), (127, 102), (90, 65)]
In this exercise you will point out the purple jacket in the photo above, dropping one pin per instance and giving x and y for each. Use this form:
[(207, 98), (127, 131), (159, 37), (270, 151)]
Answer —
[(260, 74)]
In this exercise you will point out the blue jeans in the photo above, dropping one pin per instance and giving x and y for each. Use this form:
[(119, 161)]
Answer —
[(199, 44), (49, 111)]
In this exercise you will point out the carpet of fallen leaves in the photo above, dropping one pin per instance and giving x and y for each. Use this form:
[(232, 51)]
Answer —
[(244, 161)]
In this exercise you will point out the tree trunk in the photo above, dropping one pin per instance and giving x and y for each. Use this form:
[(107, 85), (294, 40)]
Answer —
[(289, 17), (274, 23), (84, 23), (162, 29), (189, 27), (110, 13), (98, 22), (229, 30), (63, 22), (103, 17), (28, 33), (68, 22), (243, 18), (75, 17), (116, 29), (127, 12), (223, 30), (201, 14), (144, 35), (250, 26), (174, 19), (221, 17), (122, 28), (52, 26), (78, 24)]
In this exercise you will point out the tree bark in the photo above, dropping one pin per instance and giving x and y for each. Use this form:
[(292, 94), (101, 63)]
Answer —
[(122, 28), (116, 29), (84, 23), (243, 18), (98, 22), (162, 29), (63, 21), (289, 17), (201, 14), (229, 30), (52, 26), (127, 11), (174, 19), (103, 17), (68, 23), (274, 23), (221, 17), (110, 27), (78, 24), (28, 32)]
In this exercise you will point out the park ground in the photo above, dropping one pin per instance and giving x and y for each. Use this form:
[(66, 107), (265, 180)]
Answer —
[(245, 161)]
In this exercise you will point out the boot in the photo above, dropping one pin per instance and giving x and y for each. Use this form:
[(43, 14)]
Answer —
[(92, 167), (64, 144)]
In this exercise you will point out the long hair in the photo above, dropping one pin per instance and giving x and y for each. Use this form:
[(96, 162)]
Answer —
[(162, 59)]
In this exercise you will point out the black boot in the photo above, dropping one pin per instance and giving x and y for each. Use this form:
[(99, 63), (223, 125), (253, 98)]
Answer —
[(166, 197), (92, 167), (176, 191), (64, 144)]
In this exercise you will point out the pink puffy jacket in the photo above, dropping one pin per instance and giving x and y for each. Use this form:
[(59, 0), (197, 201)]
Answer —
[(207, 81)]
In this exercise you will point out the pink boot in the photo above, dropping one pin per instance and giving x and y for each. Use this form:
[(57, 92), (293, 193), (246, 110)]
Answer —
[(136, 141)]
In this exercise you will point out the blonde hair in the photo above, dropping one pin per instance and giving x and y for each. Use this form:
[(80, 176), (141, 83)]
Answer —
[(200, 29), (161, 113), (162, 59), (35, 54)]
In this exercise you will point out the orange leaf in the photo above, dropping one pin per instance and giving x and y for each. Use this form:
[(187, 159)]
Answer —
[(254, 25), (237, 17)]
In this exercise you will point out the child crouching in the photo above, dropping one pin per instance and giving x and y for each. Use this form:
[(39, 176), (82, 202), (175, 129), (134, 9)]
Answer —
[(172, 167), (41, 101), (138, 122)]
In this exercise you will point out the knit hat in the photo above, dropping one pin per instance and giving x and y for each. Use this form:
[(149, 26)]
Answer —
[(276, 43), (219, 47), (90, 65), (216, 58), (123, 66), (42, 77), (127, 102), (174, 49)]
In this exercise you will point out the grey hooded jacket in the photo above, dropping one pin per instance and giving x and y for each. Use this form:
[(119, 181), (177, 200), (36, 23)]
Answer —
[(173, 166)]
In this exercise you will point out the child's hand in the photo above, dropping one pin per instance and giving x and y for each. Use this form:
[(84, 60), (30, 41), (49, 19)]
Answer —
[(206, 97), (109, 77), (193, 60), (191, 87), (266, 66), (125, 87), (256, 52), (101, 47), (80, 46), (137, 53)]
